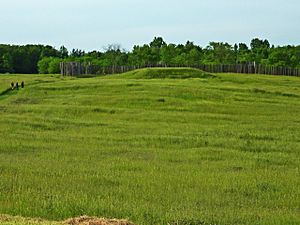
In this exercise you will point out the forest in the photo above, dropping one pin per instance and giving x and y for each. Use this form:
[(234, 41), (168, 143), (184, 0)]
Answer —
[(45, 59)]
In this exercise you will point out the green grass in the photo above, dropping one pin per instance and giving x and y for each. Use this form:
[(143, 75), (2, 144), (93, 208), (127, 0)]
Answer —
[(221, 150), (181, 73)]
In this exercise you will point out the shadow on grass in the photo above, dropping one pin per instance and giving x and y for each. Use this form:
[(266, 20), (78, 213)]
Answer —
[(6, 93)]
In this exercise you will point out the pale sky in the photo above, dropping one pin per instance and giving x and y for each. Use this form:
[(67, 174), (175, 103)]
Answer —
[(93, 24)]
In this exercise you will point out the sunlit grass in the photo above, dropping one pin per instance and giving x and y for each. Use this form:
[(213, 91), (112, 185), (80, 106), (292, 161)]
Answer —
[(214, 150)]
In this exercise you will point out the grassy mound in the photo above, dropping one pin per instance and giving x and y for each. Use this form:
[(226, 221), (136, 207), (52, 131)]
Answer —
[(83, 220), (181, 73), (155, 151)]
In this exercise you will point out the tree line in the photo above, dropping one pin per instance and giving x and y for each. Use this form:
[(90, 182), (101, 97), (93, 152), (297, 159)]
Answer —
[(46, 59)]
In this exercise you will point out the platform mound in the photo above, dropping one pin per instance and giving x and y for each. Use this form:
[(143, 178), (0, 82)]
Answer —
[(172, 73)]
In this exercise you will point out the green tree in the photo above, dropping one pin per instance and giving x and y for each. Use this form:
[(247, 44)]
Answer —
[(168, 54), (49, 51), (54, 66), (158, 42), (243, 54), (43, 65), (219, 53), (63, 52), (6, 65), (259, 50)]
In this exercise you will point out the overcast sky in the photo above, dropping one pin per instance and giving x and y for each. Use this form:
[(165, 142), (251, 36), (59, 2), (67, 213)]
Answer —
[(93, 24)]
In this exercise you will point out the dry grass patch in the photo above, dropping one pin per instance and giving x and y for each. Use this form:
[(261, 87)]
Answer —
[(83, 220)]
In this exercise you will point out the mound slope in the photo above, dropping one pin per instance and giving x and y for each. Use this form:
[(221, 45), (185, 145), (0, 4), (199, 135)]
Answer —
[(160, 73)]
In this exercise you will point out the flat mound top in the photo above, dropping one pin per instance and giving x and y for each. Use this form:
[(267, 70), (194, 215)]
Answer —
[(173, 73), (83, 220)]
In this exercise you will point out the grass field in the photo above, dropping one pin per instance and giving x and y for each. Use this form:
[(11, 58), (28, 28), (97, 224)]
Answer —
[(218, 149)]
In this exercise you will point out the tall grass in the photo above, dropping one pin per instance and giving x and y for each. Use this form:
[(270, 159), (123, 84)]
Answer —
[(154, 151)]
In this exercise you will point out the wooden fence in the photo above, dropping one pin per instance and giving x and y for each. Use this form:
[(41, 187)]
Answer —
[(77, 69), (250, 69)]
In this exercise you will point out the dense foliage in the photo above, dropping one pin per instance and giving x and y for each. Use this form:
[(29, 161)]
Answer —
[(46, 59)]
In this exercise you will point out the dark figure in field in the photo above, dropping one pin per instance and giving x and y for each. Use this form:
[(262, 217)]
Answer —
[(17, 85), (22, 84), (12, 85)]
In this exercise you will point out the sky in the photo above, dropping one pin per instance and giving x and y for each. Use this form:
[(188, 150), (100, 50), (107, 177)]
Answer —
[(94, 24)]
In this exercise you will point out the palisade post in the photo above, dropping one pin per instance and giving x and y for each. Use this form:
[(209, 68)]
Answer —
[(78, 68)]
